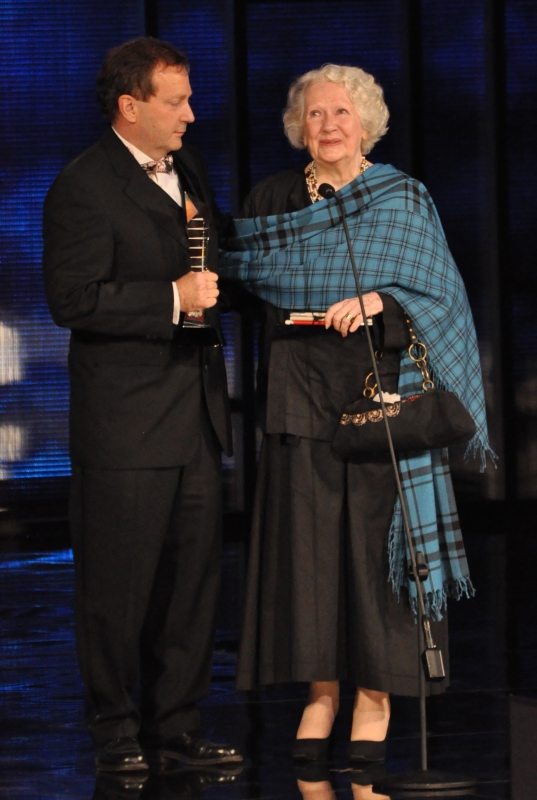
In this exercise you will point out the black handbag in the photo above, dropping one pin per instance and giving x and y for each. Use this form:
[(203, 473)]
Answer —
[(423, 421)]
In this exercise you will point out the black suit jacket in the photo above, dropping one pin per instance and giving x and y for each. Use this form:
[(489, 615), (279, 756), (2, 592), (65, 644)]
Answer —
[(114, 242)]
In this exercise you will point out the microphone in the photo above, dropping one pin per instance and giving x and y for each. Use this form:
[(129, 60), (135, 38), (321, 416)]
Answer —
[(432, 656), (326, 190)]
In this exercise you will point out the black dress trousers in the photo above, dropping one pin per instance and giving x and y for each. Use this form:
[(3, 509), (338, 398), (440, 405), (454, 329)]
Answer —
[(147, 550)]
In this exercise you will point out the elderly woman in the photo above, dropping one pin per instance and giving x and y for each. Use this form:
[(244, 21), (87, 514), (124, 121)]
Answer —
[(328, 596)]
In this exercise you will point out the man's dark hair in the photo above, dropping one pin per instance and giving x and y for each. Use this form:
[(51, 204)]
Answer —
[(128, 69)]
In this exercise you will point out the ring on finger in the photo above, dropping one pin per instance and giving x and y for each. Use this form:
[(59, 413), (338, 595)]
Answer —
[(350, 318)]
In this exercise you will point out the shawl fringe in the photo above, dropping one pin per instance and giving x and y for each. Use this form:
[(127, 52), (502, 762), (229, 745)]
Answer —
[(435, 601)]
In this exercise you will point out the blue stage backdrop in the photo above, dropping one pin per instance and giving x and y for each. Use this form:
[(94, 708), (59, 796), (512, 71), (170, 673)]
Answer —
[(289, 38), (460, 79), (49, 55), (459, 170)]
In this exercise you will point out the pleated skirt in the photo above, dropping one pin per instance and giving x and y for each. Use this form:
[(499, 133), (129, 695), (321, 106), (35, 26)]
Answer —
[(319, 605)]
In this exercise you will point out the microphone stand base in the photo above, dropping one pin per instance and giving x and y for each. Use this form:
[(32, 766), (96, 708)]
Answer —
[(431, 782)]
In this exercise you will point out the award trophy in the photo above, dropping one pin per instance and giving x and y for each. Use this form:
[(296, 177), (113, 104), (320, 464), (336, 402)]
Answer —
[(194, 329), (198, 237)]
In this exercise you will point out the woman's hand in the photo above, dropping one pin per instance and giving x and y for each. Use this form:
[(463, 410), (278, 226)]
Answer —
[(346, 316)]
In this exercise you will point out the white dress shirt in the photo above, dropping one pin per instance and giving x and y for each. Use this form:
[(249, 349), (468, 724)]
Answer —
[(169, 182)]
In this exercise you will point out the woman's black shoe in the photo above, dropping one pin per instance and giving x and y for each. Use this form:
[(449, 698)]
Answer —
[(364, 752), (313, 771), (367, 774), (312, 749)]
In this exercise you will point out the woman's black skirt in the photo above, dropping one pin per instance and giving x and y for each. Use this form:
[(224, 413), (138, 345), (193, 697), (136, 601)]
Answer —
[(319, 605)]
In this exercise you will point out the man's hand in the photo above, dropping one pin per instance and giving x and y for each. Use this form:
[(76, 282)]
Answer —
[(346, 316), (197, 290)]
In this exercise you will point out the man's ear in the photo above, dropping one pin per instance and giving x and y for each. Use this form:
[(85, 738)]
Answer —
[(127, 108)]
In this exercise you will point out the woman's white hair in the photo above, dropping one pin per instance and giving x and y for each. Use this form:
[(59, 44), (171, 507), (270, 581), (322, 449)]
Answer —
[(362, 89)]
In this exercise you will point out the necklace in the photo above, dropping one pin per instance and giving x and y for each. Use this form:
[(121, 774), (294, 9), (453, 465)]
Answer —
[(311, 178)]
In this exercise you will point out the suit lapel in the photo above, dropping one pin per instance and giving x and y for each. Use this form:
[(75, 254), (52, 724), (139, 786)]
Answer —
[(141, 189)]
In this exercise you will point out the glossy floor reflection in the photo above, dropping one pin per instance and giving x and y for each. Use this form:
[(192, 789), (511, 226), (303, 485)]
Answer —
[(45, 752)]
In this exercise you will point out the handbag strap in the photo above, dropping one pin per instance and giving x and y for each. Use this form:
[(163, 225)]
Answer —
[(418, 353)]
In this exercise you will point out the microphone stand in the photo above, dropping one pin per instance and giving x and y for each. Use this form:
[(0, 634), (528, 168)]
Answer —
[(430, 663)]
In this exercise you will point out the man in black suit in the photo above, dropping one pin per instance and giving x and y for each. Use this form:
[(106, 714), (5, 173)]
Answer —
[(149, 413)]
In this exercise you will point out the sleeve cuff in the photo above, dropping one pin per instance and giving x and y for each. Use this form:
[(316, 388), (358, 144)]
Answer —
[(395, 327), (176, 304)]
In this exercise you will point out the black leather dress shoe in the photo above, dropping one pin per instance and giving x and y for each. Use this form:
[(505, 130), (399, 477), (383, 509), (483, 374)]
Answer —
[(121, 755), (192, 748)]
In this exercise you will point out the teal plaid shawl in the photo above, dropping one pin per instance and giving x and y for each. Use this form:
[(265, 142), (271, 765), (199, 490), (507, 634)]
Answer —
[(300, 261)]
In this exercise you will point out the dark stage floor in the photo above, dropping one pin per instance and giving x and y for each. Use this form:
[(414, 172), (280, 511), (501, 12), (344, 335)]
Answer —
[(45, 752)]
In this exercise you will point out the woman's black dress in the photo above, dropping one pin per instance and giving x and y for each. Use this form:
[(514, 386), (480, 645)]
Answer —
[(319, 605)]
